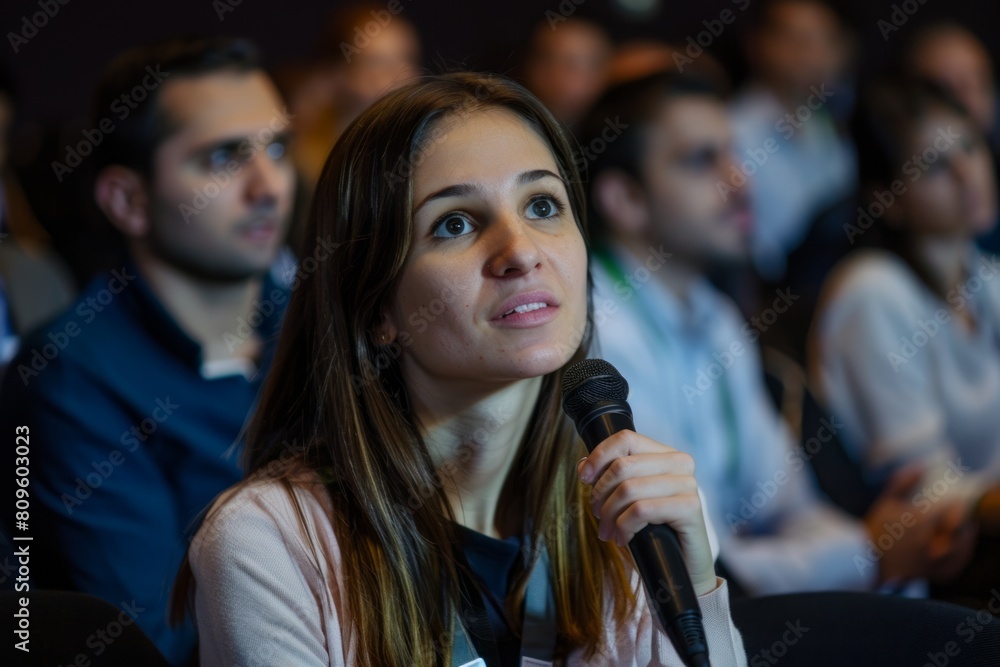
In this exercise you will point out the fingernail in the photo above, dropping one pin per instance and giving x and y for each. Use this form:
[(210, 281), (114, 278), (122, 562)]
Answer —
[(586, 472)]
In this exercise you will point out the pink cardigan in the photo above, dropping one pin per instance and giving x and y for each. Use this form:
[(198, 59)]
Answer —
[(263, 598)]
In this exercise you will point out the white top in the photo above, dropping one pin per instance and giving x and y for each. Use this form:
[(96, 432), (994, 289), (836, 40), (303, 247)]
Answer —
[(264, 597), (910, 381), (696, 384)]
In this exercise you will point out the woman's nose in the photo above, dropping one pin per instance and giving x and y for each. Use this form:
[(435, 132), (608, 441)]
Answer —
[(513, 247)]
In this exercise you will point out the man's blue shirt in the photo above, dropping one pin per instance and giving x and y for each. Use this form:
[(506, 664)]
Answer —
[(131, 437)]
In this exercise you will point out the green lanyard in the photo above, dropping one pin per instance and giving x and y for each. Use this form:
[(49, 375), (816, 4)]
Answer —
[(607, 261)]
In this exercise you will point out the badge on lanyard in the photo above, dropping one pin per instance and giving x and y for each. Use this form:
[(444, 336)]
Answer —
[(532, 662)]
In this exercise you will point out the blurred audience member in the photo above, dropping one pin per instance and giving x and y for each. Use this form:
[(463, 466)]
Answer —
[(692, 362), (363, 52), (34, 283), (567, 66), (954, 58), (790, 150), (907, 338), (640, 58), (136, 394)]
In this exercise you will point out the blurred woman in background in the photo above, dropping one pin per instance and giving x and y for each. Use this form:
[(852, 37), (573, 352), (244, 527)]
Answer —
[(906, 342)]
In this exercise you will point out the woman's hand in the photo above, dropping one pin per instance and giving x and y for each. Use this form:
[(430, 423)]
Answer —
[(935, 542), (638, 481)]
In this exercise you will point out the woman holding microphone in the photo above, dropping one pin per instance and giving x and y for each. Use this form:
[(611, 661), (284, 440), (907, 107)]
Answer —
[(413, 483)]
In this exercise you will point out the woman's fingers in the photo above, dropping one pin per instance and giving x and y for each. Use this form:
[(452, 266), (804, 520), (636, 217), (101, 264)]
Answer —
[(638, 481), (621, 445), (678, 510), (628, 470)]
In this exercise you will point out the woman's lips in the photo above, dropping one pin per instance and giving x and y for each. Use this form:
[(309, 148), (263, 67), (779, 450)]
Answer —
[(536, 315), (527, 309)]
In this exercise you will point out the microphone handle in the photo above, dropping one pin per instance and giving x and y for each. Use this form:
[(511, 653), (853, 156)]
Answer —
[(657, 554)]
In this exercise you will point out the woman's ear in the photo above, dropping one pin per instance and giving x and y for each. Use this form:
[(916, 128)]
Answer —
[(387, 331), (621, 202), (122, 195)]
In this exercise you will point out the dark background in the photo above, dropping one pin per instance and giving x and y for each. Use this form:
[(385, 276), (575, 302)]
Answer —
[(56, 70)]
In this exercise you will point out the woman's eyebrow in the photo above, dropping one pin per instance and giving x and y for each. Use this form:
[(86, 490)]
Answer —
[(458, 190), (527, 177), (466, 189)]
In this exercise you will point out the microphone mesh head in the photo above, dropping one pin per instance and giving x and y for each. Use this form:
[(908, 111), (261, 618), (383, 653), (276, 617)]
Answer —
[(591, 381)]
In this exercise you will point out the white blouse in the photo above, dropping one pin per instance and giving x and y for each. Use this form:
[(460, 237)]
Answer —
[(910, 379)]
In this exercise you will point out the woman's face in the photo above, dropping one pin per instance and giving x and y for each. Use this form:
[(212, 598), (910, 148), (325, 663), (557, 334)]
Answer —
[(495, 285), (950, 186)]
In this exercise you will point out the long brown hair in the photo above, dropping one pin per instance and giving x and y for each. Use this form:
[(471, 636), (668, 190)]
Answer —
[(335, 389)]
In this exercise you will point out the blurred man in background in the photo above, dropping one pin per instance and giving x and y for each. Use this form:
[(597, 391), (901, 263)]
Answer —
[(362, 53), (567, 66), (136, 394), (951, 56), (791, 153), (693, 363)]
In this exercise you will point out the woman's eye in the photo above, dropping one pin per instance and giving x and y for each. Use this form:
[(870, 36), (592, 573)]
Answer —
[(544, 207), (452, 226)]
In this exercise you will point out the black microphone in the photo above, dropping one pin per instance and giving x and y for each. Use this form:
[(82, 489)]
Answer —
[(594, 394)]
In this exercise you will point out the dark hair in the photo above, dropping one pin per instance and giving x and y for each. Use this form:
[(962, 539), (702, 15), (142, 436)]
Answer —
[(632, 105), (888, 113), (139, 131), (336, 396), (343, 26), (763, 12), (904, 64), (534, 42)]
